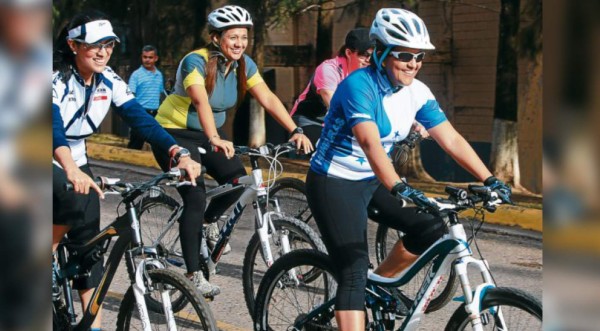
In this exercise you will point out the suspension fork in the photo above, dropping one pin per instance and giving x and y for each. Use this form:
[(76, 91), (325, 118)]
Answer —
[(66, 285)]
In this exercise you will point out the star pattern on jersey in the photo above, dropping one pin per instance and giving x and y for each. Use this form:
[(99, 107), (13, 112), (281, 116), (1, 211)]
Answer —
[(396, 134), (361, 160)]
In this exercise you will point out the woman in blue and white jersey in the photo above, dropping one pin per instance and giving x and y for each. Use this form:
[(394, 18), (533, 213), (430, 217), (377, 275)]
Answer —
[(84, 88), (370, 110)]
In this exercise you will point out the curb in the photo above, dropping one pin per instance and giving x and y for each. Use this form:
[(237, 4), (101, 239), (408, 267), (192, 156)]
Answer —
[(522, 216)]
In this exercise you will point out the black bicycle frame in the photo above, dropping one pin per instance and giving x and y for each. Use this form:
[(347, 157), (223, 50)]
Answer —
[(84, 255)]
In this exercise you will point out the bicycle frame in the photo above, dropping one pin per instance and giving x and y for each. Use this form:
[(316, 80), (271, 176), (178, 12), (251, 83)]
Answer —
[(452, 250), (126, 227), (255, 193)]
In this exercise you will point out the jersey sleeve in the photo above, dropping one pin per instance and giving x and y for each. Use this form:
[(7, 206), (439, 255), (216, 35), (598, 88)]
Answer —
[(327, 77), (430, 114), (253, 77), (59, 91), (356, 99), (138, 119), (193, 70), (133, 82), (120, 89)]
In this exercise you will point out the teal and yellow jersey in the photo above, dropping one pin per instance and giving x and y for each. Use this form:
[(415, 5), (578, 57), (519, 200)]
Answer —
[(177, 111)]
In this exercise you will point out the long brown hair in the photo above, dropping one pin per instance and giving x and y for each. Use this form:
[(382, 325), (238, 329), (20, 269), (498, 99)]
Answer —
[(211, 71)]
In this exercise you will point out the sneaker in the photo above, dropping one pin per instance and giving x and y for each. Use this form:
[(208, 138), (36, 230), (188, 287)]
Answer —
[(206, 288), (212, 236)]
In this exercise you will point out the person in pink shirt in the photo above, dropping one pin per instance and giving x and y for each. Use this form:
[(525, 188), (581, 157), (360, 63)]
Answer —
[(311, 106)]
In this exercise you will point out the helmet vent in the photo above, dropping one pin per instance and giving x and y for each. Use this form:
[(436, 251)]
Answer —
[(406, 27), (417, 25), (396, 35)]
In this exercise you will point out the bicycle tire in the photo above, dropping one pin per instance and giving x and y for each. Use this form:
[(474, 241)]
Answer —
[(156, 215), (155, 211), (302, 235), (60, 321), (511, 301), (291, 194), (384, 241), (273, 311), (199, 316)]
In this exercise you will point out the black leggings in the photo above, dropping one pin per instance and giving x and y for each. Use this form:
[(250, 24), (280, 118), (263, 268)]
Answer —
[(194, 198), (340, 210)]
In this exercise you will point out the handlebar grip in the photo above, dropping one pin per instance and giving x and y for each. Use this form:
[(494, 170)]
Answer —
[(69, 186), (481, 191), (456, 192), (183, 172)]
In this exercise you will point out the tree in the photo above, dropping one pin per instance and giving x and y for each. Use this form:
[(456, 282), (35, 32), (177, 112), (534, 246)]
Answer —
[(324, 49), (505, 153)]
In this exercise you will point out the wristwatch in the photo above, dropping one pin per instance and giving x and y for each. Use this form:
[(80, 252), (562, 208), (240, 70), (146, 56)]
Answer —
[(297, 130), (180, 153)]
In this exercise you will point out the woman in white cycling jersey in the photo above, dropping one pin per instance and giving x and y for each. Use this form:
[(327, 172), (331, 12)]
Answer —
[(370, 110), (83, 90), (210, 81)]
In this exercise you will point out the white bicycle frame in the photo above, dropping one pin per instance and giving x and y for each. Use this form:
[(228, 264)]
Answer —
[(459, 258)]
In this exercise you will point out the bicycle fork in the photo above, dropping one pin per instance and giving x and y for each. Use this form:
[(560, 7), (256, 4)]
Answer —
[(142, 283), (472, 299)]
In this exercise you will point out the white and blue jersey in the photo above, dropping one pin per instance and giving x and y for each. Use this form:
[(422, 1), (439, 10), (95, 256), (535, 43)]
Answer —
[(367, 95), (78, 111)]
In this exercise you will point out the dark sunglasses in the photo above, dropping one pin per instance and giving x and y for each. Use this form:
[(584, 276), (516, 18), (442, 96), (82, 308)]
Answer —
[(408, 56)]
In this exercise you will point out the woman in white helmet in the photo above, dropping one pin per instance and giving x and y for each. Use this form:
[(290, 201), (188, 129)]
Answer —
[(370, 110), (209, 82)]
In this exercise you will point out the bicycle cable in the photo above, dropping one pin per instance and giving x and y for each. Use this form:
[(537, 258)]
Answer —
[(474, 231)]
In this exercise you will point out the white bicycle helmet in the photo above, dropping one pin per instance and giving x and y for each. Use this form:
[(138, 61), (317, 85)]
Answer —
[(228, 17), (400, 27)]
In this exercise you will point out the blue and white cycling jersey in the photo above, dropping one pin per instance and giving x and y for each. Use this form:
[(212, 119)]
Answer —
[(367, 95), (77, 112)]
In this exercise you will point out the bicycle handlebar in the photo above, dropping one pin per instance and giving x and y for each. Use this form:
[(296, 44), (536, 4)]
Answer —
[(265, 150), (459, 199), (135, 189)]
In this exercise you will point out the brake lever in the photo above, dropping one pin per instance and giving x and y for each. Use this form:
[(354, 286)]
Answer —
[(179, 183)]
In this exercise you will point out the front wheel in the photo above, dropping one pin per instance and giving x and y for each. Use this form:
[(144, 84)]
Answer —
[(502, 309), (194, 315), (286, 298), (300, 236), (385, 240)]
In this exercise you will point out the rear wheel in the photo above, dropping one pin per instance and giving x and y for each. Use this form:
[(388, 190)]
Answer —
[(502, 309), (194, 315), (291, 194), (385, 240)]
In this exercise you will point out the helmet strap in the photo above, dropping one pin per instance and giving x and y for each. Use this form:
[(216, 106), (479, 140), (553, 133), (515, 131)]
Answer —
[(379, 60)]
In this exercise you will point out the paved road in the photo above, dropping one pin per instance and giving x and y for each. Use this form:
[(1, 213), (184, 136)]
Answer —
[(515, 258)]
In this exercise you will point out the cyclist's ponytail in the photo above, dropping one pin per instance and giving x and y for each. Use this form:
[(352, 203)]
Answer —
[(63, 58)]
